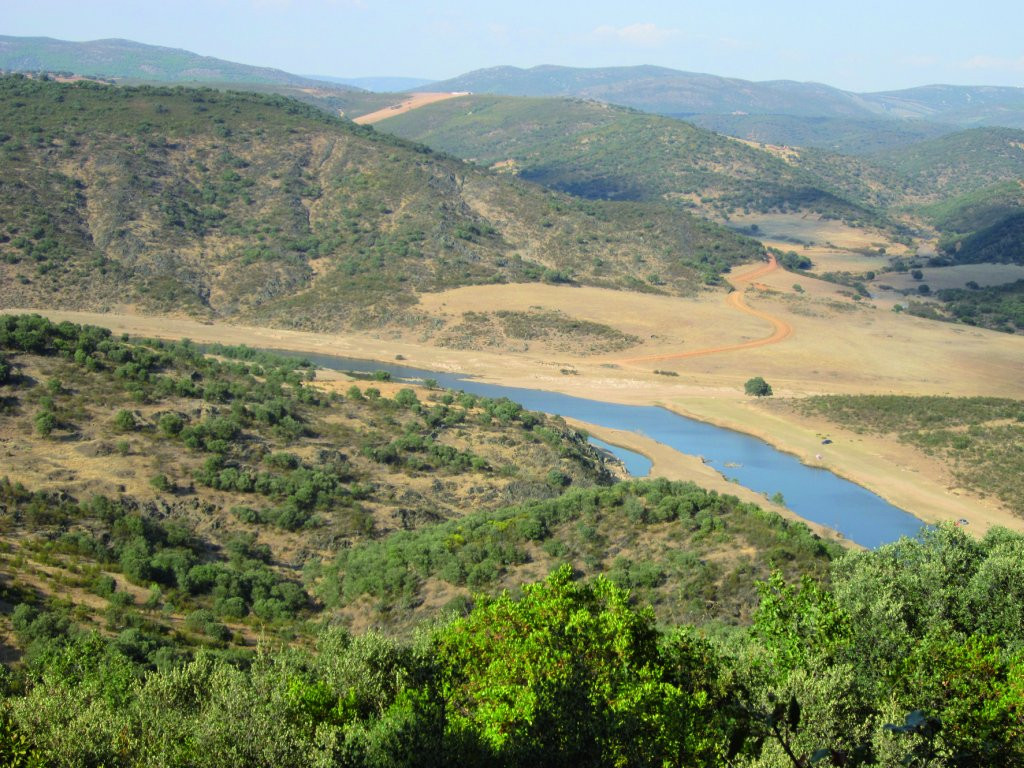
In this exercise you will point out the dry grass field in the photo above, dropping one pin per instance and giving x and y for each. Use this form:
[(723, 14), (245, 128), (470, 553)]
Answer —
[(836, 345)]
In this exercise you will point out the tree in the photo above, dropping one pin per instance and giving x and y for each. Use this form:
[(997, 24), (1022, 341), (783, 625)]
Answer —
[(758, 387), (571, 674), (45, 422)]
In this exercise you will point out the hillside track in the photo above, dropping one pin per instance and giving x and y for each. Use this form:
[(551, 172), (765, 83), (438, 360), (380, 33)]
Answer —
[(781, 330)]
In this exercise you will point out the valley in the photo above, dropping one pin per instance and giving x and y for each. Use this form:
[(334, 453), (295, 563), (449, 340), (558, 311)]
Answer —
[(836, 345), (310, 399)]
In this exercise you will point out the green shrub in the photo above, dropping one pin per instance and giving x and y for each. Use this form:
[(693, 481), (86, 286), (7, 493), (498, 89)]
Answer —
[(124, 420), (757, 387)]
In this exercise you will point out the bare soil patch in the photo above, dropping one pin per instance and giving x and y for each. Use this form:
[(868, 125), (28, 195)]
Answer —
[(413, 101)]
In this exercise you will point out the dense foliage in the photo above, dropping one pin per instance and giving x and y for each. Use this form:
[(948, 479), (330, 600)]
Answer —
[(905, 660)]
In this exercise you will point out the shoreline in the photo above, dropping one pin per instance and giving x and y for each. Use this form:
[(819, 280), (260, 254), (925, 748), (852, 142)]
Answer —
[(671, 464), (883, 467)]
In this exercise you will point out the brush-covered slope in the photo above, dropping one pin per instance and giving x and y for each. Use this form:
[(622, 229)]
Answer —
[(148, 466), (959, 163), (177, 499), (848, 136), (600, 151), (238, 205)]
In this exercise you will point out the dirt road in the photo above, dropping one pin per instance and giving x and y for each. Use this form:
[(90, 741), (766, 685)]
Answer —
[(781, 329)]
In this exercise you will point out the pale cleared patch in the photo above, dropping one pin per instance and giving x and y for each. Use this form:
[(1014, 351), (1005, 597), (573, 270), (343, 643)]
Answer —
[(407, 104)]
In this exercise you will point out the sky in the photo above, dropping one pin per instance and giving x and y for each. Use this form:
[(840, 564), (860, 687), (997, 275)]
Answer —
[(858, 46)]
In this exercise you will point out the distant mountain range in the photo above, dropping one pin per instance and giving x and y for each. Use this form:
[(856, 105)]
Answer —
[(660, 90), (128, 60), (678, 94)]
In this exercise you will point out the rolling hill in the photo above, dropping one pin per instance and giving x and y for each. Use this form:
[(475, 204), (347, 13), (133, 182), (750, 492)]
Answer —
[(599, 151), (128, 60), (848, 136), (246, 206), (677, 93)]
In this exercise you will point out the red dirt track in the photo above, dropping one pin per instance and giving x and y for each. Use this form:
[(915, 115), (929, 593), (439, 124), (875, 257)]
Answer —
[(735, 299)]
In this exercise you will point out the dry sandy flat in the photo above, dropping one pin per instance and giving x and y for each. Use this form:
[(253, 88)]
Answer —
[(781, 329), (413, 101), (836, 346), (811, 229)]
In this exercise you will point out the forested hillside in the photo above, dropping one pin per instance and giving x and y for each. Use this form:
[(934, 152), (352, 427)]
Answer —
[(257, 207), (600, 151)]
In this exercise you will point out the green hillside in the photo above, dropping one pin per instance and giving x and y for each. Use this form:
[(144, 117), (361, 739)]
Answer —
[(958, 163), (257, 207), (848, 136), (683, 94), (968, 186), (598, 151), (128, 60)]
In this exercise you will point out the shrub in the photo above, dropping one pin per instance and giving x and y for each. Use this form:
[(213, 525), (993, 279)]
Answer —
[(45, 423), (124, 420), (170, 424), (162, 483), (757, 387)]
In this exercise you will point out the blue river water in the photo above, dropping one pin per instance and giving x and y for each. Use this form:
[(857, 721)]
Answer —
[(813, 493)]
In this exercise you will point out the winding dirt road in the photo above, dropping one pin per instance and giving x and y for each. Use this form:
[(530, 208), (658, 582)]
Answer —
[(781, 329)]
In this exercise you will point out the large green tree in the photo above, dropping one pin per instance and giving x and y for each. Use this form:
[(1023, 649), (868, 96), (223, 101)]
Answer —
[(571, 674)]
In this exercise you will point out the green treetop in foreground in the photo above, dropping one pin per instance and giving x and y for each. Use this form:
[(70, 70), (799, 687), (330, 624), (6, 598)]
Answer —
[(913, 657)]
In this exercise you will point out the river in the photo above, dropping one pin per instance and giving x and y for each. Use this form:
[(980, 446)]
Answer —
[(813, 493)]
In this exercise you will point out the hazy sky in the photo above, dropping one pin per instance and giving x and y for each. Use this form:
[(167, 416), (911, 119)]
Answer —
[(863, 46)]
